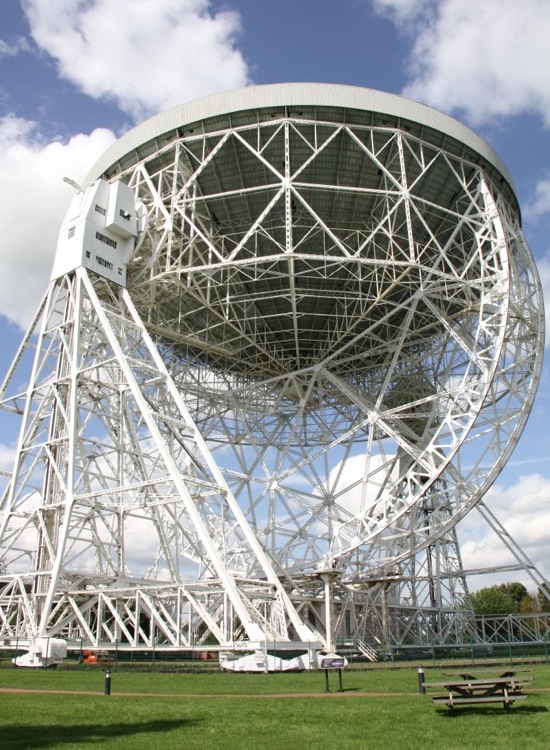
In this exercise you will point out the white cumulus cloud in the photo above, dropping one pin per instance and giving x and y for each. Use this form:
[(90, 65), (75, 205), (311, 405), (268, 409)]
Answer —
[(539, 205), (34, 201), (145, 55), (484, 60), (524, 510)]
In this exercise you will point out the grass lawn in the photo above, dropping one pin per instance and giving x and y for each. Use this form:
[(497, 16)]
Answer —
[(230, 711)]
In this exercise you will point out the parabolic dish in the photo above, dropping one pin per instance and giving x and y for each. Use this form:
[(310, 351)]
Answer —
[(340, 273)]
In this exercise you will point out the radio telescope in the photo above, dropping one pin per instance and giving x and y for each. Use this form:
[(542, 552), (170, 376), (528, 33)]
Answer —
[(292, 336)]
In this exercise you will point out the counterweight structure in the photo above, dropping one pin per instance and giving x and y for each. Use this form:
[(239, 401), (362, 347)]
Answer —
[(292, 335)]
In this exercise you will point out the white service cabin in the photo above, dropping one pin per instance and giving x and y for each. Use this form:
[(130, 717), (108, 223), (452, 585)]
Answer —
[(99, 232)]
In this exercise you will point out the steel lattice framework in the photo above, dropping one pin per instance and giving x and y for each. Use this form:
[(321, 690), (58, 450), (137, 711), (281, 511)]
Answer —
[(325, 349)]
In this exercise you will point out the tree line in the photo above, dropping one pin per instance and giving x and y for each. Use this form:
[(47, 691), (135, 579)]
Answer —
[(509, 599)]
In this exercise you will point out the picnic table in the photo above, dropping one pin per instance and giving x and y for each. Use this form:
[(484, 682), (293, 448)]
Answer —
[(505, 688)]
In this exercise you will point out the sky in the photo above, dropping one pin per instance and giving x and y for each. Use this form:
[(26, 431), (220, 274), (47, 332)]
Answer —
[(76, 74)]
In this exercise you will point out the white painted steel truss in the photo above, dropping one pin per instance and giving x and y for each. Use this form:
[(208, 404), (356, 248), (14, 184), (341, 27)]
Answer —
[(328, 346)]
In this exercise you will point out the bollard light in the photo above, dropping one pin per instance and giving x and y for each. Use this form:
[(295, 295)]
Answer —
[(107, 682), (421, 680)]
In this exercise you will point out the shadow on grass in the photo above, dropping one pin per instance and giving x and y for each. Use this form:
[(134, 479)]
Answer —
[(465, 710), (41, 737)]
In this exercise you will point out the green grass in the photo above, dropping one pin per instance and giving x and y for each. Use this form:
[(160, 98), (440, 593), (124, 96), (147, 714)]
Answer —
[(230, 713), (212, 683)]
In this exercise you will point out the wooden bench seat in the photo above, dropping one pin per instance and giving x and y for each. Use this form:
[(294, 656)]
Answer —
[(473, 699)]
